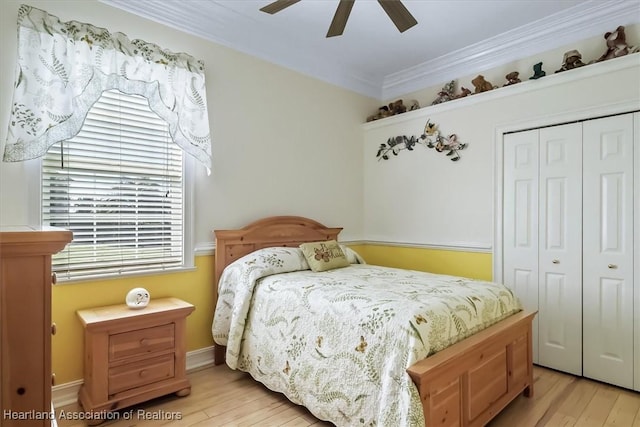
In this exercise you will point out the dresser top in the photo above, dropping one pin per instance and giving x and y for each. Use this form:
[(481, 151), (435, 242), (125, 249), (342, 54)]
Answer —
[(21, 239), (122, 311)]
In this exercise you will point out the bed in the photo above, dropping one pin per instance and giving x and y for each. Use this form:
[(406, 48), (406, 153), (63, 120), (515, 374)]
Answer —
[(461, 384)]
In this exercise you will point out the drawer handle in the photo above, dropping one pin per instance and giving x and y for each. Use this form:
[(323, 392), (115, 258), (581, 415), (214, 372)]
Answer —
[(556, 261), (612, 266)]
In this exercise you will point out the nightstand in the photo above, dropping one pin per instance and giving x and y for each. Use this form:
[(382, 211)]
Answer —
[(133, 355)]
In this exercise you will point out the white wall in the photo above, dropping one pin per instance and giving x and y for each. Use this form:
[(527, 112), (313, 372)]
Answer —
[(283, 143), (421, 197)]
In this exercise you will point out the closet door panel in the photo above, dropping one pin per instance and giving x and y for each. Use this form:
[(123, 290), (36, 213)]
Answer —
[(560, 248), (520, 221), (636, 250), (608, 250)]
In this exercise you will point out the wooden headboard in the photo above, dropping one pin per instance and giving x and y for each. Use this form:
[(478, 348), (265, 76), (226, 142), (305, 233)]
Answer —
[(272, 231)]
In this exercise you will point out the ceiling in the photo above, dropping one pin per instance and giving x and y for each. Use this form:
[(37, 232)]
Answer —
[(453, 38)]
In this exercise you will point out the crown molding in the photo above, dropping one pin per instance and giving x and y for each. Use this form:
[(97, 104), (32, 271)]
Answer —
[(572, 25)]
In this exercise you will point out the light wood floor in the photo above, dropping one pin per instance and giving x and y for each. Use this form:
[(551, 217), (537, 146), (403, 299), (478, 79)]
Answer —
[(222, 397)]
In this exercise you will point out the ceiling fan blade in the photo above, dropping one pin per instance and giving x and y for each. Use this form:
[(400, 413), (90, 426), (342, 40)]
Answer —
[(340, 18), (398, 14), (278, 5)]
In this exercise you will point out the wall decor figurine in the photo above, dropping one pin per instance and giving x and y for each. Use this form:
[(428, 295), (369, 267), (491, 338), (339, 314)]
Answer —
[(512, 78), (381, 114), (481, 84), (137, 298), (617, 45), (464, 92), (396, 107), (414, 105), (430, 138), (538, 72), (446, 94), (571, 59)]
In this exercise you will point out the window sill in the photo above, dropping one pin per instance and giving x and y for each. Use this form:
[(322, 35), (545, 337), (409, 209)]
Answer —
[(112, 276)]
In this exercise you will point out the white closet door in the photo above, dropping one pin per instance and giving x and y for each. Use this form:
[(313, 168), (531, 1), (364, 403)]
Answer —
[(608, 250), (560, 248), (636, 250), (520, 221)]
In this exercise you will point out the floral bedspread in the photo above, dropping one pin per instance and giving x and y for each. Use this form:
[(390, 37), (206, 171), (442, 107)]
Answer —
[(339, 342)]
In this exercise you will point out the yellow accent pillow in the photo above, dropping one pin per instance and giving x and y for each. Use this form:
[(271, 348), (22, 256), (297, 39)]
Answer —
[(322, 256)]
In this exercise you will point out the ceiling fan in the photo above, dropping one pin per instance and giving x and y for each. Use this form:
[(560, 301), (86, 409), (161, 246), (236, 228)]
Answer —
[(394, 8)]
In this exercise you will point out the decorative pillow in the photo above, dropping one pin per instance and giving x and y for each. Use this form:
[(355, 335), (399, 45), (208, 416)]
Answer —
[(325, 255), (352, 256)]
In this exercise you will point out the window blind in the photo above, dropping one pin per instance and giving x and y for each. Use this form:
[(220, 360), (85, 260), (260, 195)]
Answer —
[(118, 186)]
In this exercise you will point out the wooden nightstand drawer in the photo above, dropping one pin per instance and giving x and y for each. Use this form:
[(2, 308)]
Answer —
[(134, 355), (140, 373), (142, 341)]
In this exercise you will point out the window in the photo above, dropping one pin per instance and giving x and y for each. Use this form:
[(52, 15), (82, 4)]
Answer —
[(119, 186)]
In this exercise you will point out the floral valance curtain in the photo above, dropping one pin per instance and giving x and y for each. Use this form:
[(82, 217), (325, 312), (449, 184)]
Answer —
[(63, 68)]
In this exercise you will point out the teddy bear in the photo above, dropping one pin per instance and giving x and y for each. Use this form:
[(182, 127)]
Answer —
[(481, 84), (616, 45), (397, 107), (512, 78)]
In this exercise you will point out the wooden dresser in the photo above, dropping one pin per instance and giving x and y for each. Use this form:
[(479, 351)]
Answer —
[(133, 355), (25, 322)]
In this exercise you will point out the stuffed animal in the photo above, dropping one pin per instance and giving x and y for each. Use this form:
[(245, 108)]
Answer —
[(617, 45), (571, 59), (381, 114), (464, 92), (397, 107), (481, 84), (512, 78)]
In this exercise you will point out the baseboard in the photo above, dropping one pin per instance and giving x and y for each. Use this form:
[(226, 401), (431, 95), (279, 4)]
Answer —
[(67, 393), (200, 358)]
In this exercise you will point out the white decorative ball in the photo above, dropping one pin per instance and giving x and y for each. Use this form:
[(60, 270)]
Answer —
[(137, 298)]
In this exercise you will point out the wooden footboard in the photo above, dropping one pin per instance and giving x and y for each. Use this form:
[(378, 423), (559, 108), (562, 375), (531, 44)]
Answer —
[(468, 383)]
